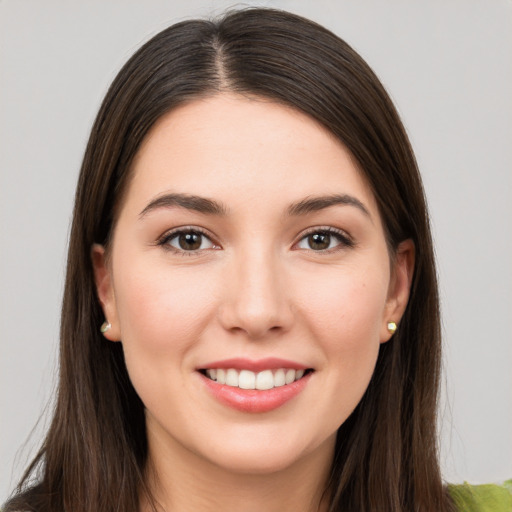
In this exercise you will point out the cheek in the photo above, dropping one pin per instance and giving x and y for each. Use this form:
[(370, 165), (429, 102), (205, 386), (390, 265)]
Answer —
[(344, 314), (161, 309), (162, 313), (346, 304)]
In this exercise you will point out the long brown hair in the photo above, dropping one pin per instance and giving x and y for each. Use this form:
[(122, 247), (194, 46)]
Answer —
[(94, 456)]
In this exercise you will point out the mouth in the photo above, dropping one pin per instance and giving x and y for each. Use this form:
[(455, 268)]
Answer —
[(255, 386), (250, 380)]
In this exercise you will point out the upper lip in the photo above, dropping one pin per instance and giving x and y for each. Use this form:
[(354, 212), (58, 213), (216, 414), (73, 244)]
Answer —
[(258, 365)]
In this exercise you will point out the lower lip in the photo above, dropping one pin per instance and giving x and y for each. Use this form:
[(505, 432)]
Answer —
[(253, 400)]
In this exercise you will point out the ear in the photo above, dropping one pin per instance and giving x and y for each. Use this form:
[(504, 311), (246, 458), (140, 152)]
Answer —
[(399, 287), (105, 290)]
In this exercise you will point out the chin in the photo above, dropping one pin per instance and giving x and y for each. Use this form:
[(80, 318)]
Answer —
[(256, 463), (267, 456)]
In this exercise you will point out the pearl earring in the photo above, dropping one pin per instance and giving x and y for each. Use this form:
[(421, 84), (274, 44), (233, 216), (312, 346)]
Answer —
[(105, 326), (392, 327)]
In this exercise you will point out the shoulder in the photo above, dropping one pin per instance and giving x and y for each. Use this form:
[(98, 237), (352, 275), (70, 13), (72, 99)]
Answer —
[(482, 498)]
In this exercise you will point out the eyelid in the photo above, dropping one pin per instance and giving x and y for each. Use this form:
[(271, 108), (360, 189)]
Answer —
[(171, 233), (345, 240)]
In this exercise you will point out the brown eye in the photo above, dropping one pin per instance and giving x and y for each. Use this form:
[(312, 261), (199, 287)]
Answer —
[(319, 241), (188, 241), (325, 240)]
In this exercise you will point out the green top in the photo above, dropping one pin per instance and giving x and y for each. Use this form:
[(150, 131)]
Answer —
[(482, 498)]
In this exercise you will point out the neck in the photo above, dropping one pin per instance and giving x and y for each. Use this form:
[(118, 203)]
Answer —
[(181, 481)]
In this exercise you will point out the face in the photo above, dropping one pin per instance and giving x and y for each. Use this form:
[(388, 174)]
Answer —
[(250, 284)]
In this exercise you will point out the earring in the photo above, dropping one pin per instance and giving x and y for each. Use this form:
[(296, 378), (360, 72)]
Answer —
[(105, 326), (392, 327)]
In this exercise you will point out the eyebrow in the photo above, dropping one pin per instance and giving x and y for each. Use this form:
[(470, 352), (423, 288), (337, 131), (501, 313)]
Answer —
[(210, 207), (314, 204), (188, 201)]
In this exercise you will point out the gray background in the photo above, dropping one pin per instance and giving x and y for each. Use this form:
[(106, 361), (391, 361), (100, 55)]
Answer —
[(448, 66)]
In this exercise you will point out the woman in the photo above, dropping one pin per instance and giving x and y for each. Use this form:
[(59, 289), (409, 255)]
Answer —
[(251, 235)]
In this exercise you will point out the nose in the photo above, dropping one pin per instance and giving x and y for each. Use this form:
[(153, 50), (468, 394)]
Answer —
[(256, 298)]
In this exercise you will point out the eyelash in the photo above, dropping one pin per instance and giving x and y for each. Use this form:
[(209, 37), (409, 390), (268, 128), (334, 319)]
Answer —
[(170, 235), (344, 240)]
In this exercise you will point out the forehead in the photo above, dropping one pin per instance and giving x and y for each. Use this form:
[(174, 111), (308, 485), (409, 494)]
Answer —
[(243, 150)]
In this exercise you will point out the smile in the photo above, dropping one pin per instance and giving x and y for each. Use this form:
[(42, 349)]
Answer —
[(253, 386), (247, 379)]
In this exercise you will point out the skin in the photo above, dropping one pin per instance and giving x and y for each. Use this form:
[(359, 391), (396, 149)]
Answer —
[(256, 288)]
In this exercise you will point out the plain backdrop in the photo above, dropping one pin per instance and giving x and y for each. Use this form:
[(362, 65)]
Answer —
[(448, 66)]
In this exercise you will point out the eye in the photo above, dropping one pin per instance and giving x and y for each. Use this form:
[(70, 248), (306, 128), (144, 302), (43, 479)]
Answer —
[(187, 240), (324, 240)]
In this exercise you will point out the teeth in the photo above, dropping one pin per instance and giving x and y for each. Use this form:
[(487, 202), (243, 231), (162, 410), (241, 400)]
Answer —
[(221, 376), (245, 379), (212, 374), (265, 380), (289, 377), (279, 378), (232, 378)]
